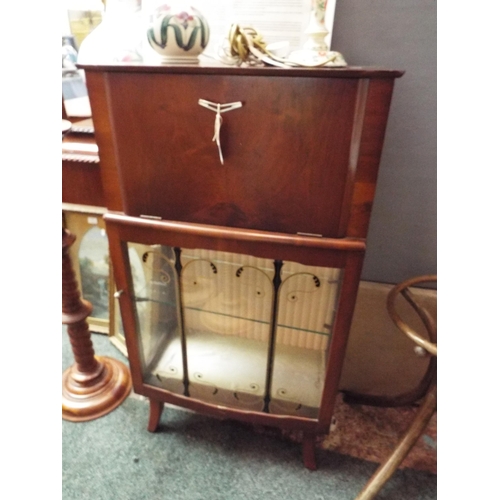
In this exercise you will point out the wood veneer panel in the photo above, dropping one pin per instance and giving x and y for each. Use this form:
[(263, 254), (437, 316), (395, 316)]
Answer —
[(98, 96), (343, 318), (286, 150), (325, 252), (81, 177), (252, 417), (209, 66), (370, 150), (81, 183)]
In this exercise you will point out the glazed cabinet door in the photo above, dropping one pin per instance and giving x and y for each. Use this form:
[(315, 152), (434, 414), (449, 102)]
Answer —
[(252, 331)]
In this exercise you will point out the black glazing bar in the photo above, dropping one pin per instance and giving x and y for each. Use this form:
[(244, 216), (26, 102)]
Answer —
[(278, 264), (178, 268)]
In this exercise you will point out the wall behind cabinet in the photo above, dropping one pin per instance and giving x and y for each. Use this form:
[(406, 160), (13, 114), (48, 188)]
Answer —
[(399, 34)]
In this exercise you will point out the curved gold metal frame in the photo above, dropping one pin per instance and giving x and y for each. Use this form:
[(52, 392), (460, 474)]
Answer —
[(429, 403), (402, 288), (423, 387)]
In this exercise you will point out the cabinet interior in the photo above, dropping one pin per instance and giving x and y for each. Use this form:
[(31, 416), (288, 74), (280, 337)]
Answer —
[(255, 331)]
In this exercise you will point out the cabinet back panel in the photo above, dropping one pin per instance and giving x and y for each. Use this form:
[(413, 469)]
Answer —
[(277, 173)]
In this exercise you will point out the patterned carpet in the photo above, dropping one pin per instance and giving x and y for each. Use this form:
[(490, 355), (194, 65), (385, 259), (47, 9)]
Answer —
[(371, 433)]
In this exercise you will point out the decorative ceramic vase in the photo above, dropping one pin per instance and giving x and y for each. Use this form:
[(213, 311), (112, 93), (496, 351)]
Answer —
[(314, 51), (178, 32), (316, 30)]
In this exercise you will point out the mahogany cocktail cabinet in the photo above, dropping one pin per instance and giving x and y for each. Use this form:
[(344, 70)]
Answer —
[(238, 206)]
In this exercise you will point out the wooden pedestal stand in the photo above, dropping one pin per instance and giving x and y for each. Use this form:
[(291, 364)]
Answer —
[(93, 386)]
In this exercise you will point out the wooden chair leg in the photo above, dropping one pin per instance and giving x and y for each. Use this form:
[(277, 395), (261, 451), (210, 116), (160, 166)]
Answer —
[(390, 465), (308, 455), (155, 411)]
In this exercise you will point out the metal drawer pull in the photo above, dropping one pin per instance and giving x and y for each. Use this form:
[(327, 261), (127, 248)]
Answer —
[(218, 109)]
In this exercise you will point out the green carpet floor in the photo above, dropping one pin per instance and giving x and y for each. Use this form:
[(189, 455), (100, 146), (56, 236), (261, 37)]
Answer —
[(194, 457)]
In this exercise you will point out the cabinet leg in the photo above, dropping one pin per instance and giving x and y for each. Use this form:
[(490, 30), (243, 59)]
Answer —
[(308, 456), (155, 410)]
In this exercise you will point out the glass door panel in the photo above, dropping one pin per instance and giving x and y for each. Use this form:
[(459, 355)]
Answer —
[(155, 293), (305, 313), (227, 303), (219, 309)]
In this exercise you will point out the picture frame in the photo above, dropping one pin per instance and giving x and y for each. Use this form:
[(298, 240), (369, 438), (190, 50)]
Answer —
[(91, 263)]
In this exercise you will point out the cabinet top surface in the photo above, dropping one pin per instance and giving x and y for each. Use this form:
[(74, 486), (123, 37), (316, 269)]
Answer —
[(209, 67)]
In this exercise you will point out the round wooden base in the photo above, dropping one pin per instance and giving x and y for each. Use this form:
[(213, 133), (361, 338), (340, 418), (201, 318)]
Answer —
[(87, 396)]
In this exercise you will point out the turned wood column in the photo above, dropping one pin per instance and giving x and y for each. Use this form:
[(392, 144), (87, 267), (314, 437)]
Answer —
[(93, 386)]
